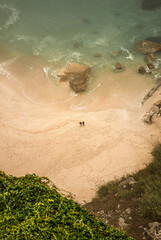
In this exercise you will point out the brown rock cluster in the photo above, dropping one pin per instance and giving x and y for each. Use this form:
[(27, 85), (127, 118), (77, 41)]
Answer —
[(148, 46), (155, 111), (77, 74)]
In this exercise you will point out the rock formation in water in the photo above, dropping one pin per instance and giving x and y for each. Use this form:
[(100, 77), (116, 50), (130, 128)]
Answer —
[(148, 46), (77, 74), (150, 4)]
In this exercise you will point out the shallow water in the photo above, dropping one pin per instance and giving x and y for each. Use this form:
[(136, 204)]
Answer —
[(48, 34)]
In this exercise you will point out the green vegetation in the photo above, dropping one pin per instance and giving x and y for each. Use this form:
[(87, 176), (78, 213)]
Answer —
[(147, 188), (30, 209)]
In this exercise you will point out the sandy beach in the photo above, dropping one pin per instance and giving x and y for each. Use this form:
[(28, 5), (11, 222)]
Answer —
[(40, 131)]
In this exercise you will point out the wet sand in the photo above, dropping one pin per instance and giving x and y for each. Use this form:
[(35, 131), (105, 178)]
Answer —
[(40, 131)]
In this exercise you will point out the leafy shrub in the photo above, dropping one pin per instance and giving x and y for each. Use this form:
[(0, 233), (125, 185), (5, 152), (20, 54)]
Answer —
[(30, 209)]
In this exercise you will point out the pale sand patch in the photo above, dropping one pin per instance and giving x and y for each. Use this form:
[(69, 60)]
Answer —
[(41, 134)]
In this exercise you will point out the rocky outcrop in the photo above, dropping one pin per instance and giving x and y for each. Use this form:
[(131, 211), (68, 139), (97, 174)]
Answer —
[(153, 231), (150, 4), (77, 74), (154, 111), (148, 46)]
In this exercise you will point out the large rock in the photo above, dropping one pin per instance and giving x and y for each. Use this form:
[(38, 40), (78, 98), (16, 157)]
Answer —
[(77, 74), (148, 46), (150, 4)]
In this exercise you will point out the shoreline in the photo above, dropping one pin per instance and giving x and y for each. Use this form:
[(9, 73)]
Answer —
[(41, 135)]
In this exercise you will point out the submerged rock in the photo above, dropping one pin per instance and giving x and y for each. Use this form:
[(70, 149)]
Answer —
[(97, 55), (77, 74), (154, 39), (115, 53), (77, 45), (148, 46), (150, 4)]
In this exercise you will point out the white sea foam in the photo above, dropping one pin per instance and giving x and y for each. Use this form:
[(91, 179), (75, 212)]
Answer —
[(132, 40), (4, 71), (12, 18), (75, 56), (130, 55)]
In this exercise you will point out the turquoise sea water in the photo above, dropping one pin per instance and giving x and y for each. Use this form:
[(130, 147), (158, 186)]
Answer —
[(45, 35), (64, 30)]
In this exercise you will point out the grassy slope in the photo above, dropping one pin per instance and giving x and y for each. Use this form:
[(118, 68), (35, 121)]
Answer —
[(143, 198), (30, 209)]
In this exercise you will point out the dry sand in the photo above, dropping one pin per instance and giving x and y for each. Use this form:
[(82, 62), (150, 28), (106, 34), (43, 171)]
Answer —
[(40, 132)]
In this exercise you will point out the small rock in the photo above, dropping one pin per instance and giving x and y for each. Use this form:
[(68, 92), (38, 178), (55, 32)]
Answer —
[(151, 57), (158, 104), (118, 66), (128, 211), (141, 70), (154, 109), (147, 118), (121, 223), (97, 55), (128, 181), (150, 66)]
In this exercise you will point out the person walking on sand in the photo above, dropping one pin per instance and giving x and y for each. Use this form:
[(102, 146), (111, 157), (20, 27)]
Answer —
[(83, 123)]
